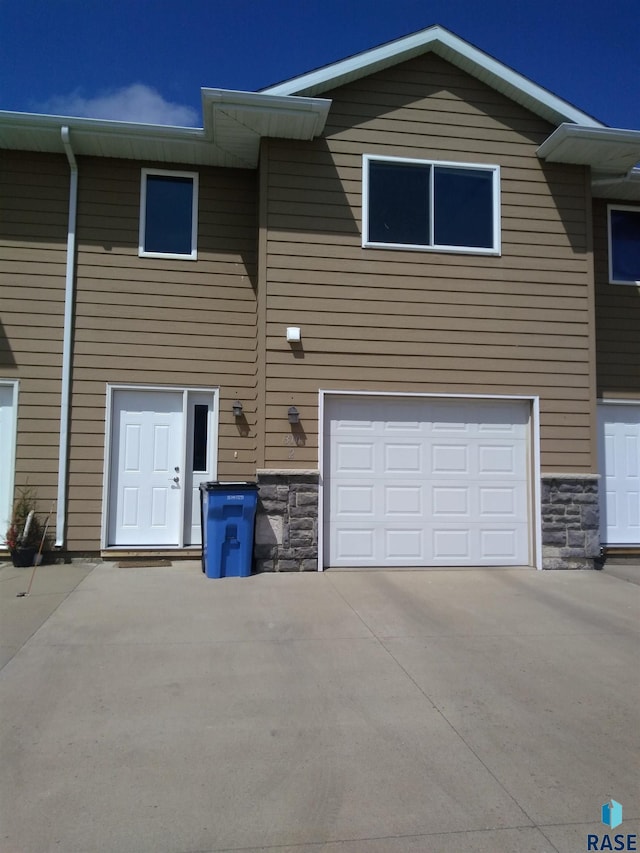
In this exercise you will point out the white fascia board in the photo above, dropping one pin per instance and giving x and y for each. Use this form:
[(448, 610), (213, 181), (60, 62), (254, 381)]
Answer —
[(41, 121), (359, 65), (453, 49)]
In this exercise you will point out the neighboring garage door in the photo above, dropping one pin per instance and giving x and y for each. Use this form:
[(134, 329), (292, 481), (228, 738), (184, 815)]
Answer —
[(619, 452), (424, 481)]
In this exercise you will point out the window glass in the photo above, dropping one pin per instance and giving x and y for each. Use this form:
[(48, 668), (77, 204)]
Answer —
[(399, 203), (168, 215), (625, 245), (200, 423), (463, 207)]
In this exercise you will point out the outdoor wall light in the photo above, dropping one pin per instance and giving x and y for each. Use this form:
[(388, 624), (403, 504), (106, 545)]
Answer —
[(293, 415), (237, 409), (293, 334)]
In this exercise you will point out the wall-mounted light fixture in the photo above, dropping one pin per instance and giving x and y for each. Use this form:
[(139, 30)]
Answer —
[(237, 409), (293, 334), (293, 415)]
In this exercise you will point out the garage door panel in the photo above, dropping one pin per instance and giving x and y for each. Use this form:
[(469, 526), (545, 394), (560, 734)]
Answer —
[(353, 499), (426, 481), (406, 458), (402, 499), (502, 501), (449, 501), (353, 545), (402, 544)]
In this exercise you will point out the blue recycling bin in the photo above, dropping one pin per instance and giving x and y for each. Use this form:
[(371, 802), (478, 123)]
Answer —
[(228, 513)]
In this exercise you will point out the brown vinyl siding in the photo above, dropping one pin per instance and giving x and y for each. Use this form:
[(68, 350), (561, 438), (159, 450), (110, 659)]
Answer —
[(34, 198), (386, 319), (156, 321), (617, 319)]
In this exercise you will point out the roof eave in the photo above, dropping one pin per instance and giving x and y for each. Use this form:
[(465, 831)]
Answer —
[(234, 124), (608, 149)]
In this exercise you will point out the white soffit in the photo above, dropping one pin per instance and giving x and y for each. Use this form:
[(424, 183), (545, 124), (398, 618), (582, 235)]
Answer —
[(607, 150), (455, 50), (238, 120), (621, 189)]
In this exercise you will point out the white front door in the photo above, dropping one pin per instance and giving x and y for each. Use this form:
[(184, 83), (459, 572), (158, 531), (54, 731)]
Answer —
[(163, 445), (619, 453), (146, 468), (7, 451), (426, 482)]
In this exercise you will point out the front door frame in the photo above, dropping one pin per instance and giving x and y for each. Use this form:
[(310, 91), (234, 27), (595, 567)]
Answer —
[(534, 467), (108, 461)]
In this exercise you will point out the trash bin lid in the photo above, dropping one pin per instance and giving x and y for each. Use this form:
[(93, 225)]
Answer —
[(217, 485)]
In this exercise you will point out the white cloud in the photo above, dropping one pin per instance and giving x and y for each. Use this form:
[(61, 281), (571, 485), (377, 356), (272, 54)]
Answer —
[(137, 102)]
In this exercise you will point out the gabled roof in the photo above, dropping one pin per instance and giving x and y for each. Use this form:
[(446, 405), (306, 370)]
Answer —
[(438, 40), (235, 121)]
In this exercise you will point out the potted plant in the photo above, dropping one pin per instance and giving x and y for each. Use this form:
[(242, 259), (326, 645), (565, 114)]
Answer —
[(25, 531)]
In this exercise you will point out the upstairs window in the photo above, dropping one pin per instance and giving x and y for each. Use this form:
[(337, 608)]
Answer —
[(168, 214), (624, 245), (425, 205)]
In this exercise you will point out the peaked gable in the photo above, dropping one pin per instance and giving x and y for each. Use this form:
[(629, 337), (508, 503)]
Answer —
[(438, 40)]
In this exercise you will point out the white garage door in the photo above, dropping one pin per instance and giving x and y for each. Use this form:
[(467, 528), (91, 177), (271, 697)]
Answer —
[(426, 482), (619, 452)]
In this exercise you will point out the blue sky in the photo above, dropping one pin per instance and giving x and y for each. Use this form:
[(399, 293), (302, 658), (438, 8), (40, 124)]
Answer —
[(146, 60)]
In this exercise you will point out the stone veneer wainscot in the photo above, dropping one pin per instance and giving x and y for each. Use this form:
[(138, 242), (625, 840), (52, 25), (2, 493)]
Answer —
[(286, 538), (287, 521), (570, 521)]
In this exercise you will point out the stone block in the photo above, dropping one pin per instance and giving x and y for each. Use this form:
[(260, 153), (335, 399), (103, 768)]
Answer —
[(575, 538), (300, 543), (268, 529), (301, 524), (288, 566), (554, 537), (310, 565), (592, 543), (303, 511), (274, 507), (267, 493), (590, 517)]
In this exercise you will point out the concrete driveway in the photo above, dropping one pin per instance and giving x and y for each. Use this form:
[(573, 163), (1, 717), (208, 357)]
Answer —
[(151, 709)]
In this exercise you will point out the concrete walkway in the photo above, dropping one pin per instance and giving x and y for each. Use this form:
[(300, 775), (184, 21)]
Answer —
[(348, 712)]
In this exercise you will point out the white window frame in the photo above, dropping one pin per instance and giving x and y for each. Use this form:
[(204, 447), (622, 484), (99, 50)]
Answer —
[(610, 207), (495, 250), (193, 255)]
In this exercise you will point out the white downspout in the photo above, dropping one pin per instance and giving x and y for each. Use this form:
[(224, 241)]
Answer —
[(67, 345)]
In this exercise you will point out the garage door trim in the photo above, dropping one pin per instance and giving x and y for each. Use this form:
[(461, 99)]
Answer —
[(534, 402)]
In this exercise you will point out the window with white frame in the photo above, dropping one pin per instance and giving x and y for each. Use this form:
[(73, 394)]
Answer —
[(624, 244), (168, 214), (431, 205)]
